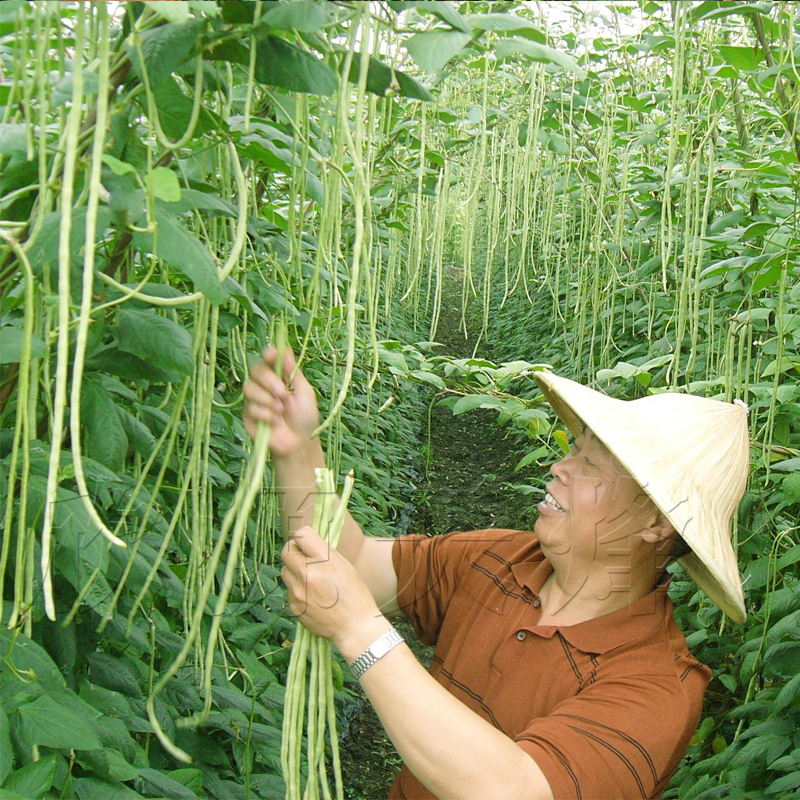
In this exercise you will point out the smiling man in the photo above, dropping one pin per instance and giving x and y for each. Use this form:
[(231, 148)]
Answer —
[(559, 670)]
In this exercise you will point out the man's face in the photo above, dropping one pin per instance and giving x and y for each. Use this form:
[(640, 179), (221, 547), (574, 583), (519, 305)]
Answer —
[(601, 505)]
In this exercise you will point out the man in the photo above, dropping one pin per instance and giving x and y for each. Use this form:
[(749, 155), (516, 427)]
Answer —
[(559, 670)]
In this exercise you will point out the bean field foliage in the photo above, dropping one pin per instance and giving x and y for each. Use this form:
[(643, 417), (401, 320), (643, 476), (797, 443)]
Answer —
[(610, 190)]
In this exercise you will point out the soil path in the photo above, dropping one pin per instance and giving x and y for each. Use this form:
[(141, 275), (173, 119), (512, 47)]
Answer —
[(470, 461)]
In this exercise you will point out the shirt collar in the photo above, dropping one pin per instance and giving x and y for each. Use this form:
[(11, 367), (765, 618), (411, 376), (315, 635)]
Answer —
[(603, 633)]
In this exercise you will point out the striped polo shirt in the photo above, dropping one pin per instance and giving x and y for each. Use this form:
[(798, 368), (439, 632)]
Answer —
[(605, 707)]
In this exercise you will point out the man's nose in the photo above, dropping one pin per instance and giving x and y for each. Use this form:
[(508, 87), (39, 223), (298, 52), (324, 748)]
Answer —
[(561, 469)]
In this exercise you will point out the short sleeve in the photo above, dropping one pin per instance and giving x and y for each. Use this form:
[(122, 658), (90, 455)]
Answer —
[(619, 738), (428, 572)]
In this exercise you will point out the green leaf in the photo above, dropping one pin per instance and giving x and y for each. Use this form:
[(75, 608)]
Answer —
[(25, 654), (155, 339), (108, 764), (191, 199), (164, 49), (33, 781), (307, 16), (165, 183), (175, 111), (427, 377), (504, 23), (183, 250), (94, 789), (11, 338), (790, 486), (538, 52), (118, 167), (138, 433), (190, 778), (45, 247), (445, 11), (47, 723), (381, 78), (114, 673), (166, 786), (746, 58), (279, 63), (788, 694), (62, 88), (6, 753), (473, 401), (106, 441), (433, 49), (13, 139), (171, 11)]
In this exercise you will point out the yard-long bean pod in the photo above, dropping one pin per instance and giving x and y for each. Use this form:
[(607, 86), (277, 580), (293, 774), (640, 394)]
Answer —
[(360, 197), (236, 518), (22, 436), (88, 281), (320, 685), (65, 229)]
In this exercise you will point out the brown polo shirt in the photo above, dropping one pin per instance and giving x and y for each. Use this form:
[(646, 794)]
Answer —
[(606, 707)]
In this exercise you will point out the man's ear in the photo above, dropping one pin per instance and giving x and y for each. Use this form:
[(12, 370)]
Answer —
[(660, 530)]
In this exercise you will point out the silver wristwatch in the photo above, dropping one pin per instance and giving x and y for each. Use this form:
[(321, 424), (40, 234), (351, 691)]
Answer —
[(378, 649)]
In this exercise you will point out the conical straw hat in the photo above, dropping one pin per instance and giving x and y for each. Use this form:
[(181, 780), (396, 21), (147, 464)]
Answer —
[(690, 455)]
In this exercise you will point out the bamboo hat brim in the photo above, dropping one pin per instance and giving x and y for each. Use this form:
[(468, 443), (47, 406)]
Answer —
[(690, 454)]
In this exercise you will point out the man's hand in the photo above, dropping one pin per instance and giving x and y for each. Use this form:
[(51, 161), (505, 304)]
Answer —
[(290, 410), (328, 595)]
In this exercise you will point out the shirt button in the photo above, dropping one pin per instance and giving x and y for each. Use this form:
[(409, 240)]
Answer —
[(536, 602), (522, 636)]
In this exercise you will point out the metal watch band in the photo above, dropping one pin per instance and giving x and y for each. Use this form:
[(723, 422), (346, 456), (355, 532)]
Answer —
[(379, 648)]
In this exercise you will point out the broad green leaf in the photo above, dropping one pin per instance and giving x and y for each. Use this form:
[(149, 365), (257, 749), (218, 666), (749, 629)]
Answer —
[(202, 201), (503, 23), (714, 9), (473, 401), (175, 111), (13, 139), (746, 58), (788, 694), (308, 16), (62, 88), (171, 11), (95, 789), (183, 250), (45, 246), (165, 183), (166, 786), (114, 673), (47, 723), (6, 753), (106, 441), (108, 764), (164, 49), (33, 781), (279, 63), (433, 49), (25, 654), (118, 167), (191, 778), (155, 339), (138, 433), (11, 339), (538, 52), (445, 11), (562, 440), (381, 79), (790, 486), (428, 377)]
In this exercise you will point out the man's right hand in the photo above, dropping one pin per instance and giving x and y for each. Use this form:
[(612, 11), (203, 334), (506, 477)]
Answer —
[(292, 413)]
